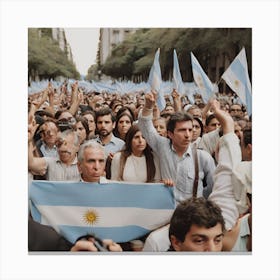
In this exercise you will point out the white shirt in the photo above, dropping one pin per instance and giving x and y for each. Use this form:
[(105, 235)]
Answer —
[(135, 169), (158, 240)]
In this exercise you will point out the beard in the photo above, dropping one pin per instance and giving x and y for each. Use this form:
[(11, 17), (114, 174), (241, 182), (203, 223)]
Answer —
[(104, 132)]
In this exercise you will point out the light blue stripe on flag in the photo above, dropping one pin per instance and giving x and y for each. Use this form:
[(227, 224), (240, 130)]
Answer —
[(201, 79), (237, 78), (119, 211)]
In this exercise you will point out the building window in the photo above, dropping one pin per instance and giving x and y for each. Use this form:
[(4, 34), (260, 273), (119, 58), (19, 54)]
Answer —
[(116, 36)]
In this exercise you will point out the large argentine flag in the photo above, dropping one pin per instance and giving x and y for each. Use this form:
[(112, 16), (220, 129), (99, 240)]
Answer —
[(118, 211), (201, 79), (237, 77), (155, 81)]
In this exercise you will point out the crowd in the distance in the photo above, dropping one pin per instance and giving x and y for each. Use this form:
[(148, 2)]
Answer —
[(202, 151)]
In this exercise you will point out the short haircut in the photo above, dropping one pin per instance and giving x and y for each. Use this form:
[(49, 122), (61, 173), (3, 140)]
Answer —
[(104, 112), (209, 119), (194, 211), (178, 117), (89, 144)]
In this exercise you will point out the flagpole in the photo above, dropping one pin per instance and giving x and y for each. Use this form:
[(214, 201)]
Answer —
[(219, 81)]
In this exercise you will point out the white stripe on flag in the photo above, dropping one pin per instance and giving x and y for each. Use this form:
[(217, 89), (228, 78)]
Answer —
[(103, 216)]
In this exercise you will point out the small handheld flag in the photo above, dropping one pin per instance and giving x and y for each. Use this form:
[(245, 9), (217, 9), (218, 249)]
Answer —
[(237, 77), (155, 81), (204, 84)]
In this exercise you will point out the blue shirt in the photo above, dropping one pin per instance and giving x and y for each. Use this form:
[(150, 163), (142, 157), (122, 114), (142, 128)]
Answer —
[(180, 169), (116, 144)]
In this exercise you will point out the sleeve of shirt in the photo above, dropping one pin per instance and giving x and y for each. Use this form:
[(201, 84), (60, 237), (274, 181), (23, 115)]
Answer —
[(115, 167), (209, 168), (222, 193), (148, 130)]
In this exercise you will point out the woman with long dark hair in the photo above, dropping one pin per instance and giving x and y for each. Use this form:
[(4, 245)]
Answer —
[(136, 162)]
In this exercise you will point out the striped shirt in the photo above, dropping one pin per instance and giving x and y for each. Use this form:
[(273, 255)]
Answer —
[(58, 171)]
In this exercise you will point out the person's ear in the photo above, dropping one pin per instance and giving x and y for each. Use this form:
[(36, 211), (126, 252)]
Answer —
[(176, 244), (170, 134), (79, 167)]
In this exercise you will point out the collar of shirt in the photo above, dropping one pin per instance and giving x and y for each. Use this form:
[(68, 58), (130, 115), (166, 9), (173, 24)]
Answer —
[(102, 180), (47, 148), (74, 162), (113, 140), (186, 153)]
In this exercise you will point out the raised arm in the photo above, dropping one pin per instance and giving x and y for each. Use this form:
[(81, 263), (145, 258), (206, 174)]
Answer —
[(229, 156), (149, 104), (36, 165), (177, 100)]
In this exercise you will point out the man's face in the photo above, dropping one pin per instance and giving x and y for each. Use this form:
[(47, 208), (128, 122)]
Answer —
[(160, 126), (67, 149), (200, 239), (182, 135), (195, 112), (49, 134), (93, 165), (213, 125), (236, 111), (105, 125)]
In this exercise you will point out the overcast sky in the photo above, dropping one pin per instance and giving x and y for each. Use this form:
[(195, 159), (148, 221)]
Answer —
[(84, 44)]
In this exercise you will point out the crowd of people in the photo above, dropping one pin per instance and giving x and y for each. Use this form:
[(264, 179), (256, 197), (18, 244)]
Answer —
[(202, 151)]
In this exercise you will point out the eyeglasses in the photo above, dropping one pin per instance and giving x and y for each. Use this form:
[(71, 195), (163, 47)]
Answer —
[(235, 110)]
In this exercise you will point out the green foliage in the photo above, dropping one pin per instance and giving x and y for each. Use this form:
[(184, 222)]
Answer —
[(46, 59), (92, 74), (135, 55)]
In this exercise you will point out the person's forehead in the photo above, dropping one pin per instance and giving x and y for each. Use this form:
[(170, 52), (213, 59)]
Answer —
[(89, 116), (195, 110), (138, 133), (65, 115), (124, 118), (214, 120), (67, 137), (184, 124), (50, 125), (235, 106), (94, 152), (105, 117), (160, 122), (204, 231)]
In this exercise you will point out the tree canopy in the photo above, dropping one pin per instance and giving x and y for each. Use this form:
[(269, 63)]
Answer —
[(46, 59), (134, 56)]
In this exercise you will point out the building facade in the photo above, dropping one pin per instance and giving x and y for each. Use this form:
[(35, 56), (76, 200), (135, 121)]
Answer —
[(109, 38)]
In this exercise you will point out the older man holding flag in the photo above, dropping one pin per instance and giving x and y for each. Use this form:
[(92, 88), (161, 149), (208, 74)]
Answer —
[(109, 210)]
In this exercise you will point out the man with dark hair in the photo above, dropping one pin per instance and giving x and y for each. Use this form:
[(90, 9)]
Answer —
[(211, 123), (105, 124), (197, 224), (236, 112), (177, 158)]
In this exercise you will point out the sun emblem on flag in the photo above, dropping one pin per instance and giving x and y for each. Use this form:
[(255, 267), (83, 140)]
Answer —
[(236, 83), (90, 217)]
